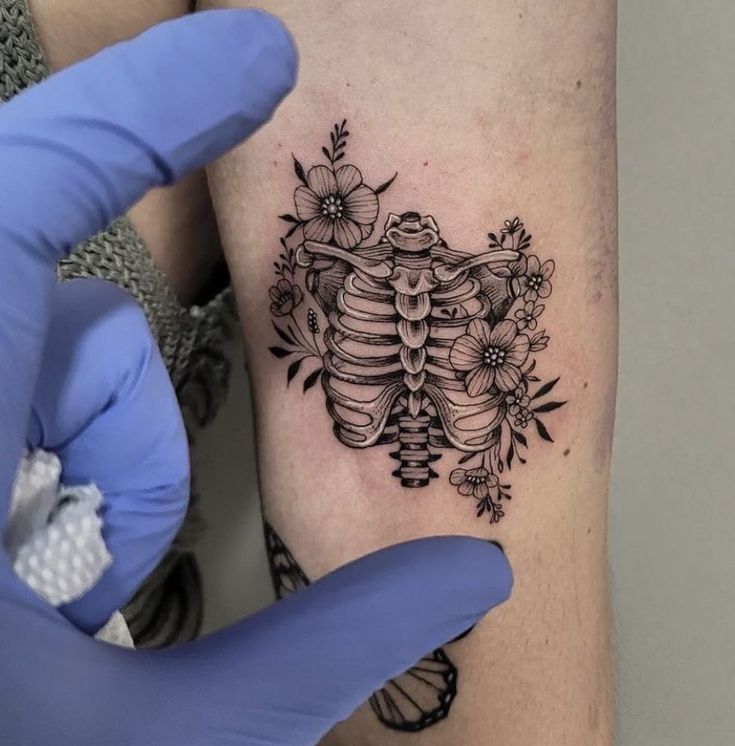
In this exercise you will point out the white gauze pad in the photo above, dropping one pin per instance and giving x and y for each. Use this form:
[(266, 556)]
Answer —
[(54, 538)]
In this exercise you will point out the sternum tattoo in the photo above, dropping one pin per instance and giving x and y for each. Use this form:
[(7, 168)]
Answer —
[(424, 346)]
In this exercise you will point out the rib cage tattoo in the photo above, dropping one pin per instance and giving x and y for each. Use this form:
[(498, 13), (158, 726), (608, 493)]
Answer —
[(424, 347)]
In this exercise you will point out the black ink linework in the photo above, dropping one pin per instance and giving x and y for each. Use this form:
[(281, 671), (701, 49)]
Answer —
[(423, 346), (412, 702)]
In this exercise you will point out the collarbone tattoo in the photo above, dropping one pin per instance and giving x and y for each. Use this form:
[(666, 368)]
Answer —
[(416, 344)]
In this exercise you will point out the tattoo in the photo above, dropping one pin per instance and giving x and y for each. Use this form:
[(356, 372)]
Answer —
[(416, 344), (412, 702)]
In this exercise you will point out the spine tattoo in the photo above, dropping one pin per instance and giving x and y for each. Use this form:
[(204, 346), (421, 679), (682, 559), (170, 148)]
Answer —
[(416, 344)]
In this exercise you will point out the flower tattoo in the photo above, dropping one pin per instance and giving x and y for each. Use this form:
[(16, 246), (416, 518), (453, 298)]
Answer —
[(476, 482), (415, 343), (336, 206), (535, 283), (284, 297), (491, 356), (527, 317), (517, 401)]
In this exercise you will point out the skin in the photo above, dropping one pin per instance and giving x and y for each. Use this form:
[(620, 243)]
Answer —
[(177, 223), (486, 110)]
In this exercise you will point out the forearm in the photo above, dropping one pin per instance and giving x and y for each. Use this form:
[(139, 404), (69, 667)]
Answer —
[(485, 112)]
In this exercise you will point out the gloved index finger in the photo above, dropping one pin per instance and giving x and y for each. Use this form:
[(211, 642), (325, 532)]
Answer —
[(77, 150)]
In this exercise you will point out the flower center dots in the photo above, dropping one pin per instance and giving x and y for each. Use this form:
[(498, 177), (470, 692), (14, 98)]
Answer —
[(494, 356), (535, 281), (332, 207)]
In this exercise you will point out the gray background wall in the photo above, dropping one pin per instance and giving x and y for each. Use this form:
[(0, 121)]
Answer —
[(672, 516)]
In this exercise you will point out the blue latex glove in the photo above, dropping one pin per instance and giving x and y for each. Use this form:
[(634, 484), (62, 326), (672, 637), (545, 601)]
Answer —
[(79, 375)]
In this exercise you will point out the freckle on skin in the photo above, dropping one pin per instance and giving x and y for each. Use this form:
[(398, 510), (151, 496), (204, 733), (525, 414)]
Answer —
[(579, 85), (567, 451), (426, 163), (585, 385)]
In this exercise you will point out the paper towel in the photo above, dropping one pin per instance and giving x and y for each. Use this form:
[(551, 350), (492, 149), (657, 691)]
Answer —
[(54, 538)]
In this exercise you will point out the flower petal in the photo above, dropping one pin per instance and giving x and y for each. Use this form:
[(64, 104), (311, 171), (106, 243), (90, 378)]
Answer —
[(322, 182), (457, 476), (544, 290), (492, 481), (547, 269), (361, 205), (533, 265), (480, 380), (507, 377), (284, 286), (308, 205), (503, 334), (465, 488), (348, 179), (297, 295), (347, 233), (282, 309), (466, 353), (517, 351), (319, 229), (274, 295), (480, 330), (480, 491)]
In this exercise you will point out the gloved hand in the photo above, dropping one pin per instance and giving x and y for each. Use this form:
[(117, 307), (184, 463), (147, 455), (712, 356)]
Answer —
[(79, 375)]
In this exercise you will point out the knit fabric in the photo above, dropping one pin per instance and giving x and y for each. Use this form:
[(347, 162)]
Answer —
[(168, 608)]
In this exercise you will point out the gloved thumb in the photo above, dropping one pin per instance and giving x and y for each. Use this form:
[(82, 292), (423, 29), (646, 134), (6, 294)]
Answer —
[(289, 673)]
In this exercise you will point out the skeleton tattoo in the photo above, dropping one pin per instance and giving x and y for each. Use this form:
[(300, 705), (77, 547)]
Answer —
[(423, 346)]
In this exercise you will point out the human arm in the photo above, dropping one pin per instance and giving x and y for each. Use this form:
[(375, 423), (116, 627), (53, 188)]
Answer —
[(486, 111)]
